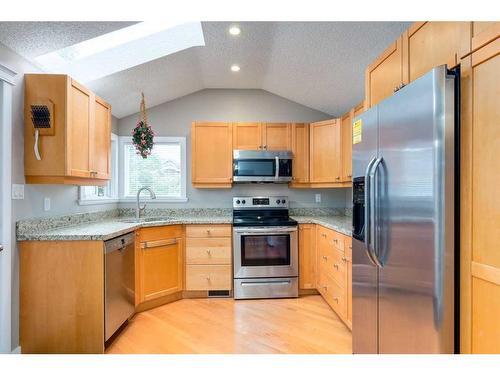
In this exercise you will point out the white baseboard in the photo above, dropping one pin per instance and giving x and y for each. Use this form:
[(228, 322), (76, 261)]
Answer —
[(16, 350)]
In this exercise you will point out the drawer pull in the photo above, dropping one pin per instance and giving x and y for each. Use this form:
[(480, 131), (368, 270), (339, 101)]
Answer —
[(335, 240), (208, 278), (325, 257), (336, 299), (344, 259), (325, 287), (336, 266), (208, 231), (208, 252), (151, 244)]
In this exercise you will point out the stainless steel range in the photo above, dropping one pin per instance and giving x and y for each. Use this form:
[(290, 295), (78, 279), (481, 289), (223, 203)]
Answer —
[(265, 245)]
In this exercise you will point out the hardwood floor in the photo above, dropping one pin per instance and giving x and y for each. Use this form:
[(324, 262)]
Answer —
[(292, 326)]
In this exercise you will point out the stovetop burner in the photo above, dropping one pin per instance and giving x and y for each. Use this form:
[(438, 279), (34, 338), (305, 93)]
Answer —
[(261, 212)]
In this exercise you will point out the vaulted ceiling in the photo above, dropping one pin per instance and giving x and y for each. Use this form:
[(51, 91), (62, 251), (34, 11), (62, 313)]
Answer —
[(317, 64)]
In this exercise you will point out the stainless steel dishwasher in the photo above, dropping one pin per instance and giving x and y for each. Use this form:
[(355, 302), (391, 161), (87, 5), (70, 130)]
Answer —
[(119, 282)]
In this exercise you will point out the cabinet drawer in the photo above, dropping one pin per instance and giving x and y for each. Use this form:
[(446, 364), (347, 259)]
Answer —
[(338, 240), (208, 231), (332, 262), (203, 277), (331, 237), (348, 248), (208, 250), (334, 294), (160, 233)]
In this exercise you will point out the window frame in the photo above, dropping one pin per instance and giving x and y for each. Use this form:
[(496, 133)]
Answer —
[(113, 184), (123, 140)]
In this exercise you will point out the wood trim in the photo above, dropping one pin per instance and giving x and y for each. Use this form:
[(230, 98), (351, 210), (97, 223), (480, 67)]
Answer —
[(213, 186), (487, 52), (147, 305), (485, 37), (485, 272), (7, 75)]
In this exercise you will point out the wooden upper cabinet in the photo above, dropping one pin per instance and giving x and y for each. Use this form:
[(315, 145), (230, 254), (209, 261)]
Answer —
[(346, 134), (300, 150), (212, 154), (100, 145), (261, 136), (76, 149), (431, 44), (78, 131), (481, 33), (386, 73), (359, 109), (247, 136), (276, 136), (325, 156)]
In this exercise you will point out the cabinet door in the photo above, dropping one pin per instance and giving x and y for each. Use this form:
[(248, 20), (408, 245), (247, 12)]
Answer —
[(482, 33), (300, 149), (359, 109), (431, 44), (480, 236), (161, 267), (247, 136), (80, 116), (307, 256), (276, 136), (346, 133), (385, 74), (325, 152), (211, 154), (100, 140)]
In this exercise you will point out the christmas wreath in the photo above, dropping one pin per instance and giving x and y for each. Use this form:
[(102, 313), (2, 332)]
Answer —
[(142, 134)]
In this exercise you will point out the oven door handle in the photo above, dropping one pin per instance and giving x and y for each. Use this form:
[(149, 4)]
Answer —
[(265, 230)]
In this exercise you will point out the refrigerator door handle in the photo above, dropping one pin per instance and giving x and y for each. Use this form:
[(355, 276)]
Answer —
[(374, 212), (368, 238)]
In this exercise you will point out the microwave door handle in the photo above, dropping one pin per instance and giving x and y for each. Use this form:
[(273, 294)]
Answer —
[(277, 168)]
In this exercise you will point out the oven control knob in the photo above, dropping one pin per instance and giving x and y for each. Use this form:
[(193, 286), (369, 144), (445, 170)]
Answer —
[(278, 201), (243, 201), (238, 201), (283, 201)]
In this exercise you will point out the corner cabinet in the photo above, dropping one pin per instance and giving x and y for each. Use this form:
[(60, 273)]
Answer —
[(75, 148), (212, 154)]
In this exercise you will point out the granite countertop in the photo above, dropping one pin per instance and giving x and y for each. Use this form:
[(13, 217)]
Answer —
[(339, 223), (103, 226)]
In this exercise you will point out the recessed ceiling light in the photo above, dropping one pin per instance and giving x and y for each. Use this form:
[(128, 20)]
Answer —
[(235, 68), (234, 30)]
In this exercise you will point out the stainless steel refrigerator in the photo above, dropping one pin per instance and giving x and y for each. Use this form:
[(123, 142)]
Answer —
[(403, 220)]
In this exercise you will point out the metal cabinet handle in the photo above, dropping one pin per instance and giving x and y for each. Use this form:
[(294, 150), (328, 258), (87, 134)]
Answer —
[(208, 252), (323, 235), (336, 266), (159, 243), (325, 257), (208, 278), (336, 299), (337, 178), (344, 259), (335, 240)]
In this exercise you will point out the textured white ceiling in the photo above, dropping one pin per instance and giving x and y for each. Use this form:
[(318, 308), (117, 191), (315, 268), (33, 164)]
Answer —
[(318, 64)]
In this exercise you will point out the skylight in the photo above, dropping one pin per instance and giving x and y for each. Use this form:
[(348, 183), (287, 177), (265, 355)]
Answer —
[(122, 49)]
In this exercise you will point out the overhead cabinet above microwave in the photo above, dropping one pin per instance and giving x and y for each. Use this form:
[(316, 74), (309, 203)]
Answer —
[(67, 132)]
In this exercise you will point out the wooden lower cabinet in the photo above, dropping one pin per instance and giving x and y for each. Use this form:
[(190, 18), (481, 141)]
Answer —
[(208, 257), (307, 256), (159, 262), (61, 291), (333, 268)]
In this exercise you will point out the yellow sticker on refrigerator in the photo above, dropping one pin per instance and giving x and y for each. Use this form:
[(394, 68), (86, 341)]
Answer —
[(357, 129)]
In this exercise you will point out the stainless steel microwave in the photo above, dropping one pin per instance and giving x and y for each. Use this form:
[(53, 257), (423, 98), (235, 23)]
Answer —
[(262, 166)]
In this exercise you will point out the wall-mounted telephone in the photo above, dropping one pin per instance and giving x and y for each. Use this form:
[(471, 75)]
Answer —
[(42, 117)]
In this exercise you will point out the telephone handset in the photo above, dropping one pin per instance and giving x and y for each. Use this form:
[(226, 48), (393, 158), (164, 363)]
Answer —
[(42, 117)]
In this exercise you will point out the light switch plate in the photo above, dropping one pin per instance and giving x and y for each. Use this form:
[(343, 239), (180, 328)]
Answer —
[(17, 191), (46, 204), (318, 198)]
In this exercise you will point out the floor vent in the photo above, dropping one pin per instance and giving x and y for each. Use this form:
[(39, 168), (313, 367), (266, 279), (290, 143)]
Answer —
[(219, 293)]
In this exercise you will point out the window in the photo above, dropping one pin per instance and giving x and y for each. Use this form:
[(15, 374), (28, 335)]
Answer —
[(164, 170), (109, 192)]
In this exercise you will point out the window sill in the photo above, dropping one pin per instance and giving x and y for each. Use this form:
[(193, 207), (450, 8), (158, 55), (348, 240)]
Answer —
[(89, 202)]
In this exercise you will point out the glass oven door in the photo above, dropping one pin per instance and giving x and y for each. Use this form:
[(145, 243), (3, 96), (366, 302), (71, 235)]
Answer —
[(265, 252)]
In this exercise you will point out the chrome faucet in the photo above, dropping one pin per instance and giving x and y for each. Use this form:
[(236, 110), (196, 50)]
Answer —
[(138, 208)]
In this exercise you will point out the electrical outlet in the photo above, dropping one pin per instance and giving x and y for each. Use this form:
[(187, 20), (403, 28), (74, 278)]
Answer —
[(46, 204), (318, 198), (17, 191)]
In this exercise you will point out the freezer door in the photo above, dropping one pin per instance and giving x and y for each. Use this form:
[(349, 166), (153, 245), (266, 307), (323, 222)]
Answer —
[(415, 229), (364, 272)]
